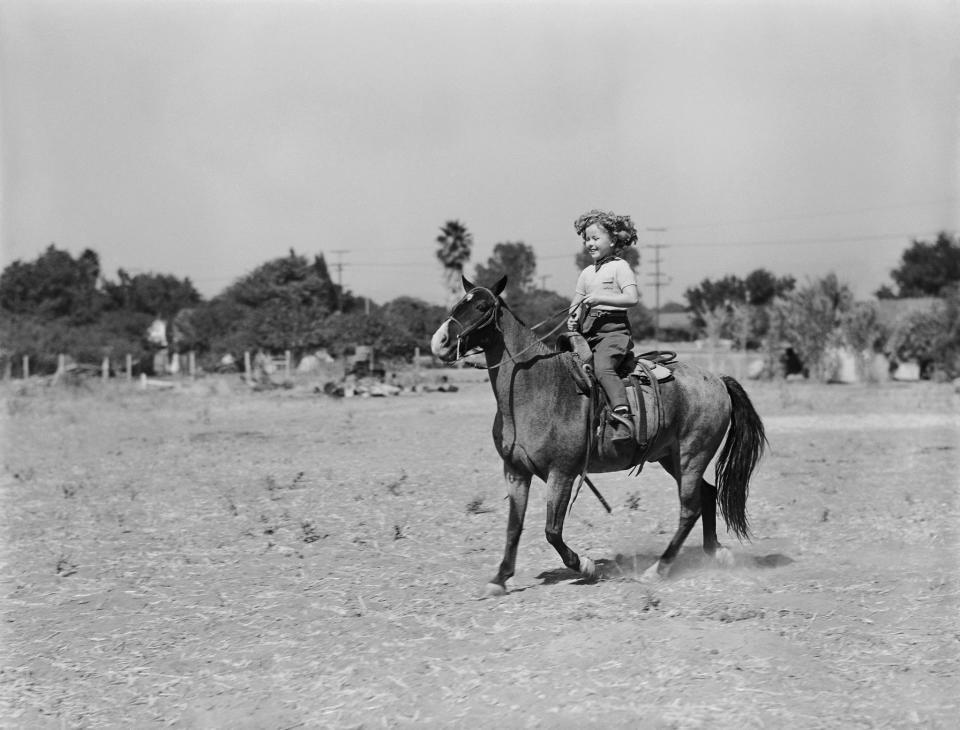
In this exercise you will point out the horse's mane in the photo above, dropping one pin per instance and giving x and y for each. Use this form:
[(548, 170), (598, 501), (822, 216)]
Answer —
[(543, 348)]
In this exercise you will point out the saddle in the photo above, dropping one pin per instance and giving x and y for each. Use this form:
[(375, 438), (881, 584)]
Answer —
[(649, 369)]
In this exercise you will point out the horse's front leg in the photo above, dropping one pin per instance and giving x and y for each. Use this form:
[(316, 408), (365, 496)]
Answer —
[(518, 490), (559, 487)]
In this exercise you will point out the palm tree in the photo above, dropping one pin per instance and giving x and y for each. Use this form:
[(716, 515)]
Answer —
[(453, 251)]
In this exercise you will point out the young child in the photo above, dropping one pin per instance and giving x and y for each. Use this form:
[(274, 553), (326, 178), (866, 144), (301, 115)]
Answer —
[(604, 291)]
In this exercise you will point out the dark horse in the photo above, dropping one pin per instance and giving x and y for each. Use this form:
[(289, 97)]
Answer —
[(541, 430)]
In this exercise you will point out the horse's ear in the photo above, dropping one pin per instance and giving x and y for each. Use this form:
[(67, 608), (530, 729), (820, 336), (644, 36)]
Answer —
[(467, 284), (500, 285)]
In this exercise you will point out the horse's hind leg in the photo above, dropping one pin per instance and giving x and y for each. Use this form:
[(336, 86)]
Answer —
[(697, 498), (559, 487), (518, 490)]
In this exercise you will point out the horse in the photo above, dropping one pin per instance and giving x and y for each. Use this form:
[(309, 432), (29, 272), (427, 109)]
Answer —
[(543, 421)]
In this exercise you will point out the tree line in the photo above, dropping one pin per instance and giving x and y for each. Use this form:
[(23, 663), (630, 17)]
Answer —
[(60, 303)]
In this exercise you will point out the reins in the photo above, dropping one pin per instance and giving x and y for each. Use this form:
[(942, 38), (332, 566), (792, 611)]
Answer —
[(481, 323)]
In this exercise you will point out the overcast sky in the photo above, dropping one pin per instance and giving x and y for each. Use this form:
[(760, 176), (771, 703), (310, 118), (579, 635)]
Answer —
[(204, 138)]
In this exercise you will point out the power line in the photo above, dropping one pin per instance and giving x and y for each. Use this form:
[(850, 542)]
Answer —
[(807, 241), (784, 242)]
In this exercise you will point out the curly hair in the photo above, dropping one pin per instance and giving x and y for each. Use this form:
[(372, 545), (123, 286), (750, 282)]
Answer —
[(620, 227)]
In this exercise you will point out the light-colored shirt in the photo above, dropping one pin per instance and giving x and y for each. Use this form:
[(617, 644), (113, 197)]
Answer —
[(612, 278)]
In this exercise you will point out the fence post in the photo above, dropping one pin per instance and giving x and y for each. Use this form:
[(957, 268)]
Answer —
[(129, 366), (61, 367), (246, 366), (105, 369), (286, 365), (26, 367), (192, 359), (416, 365)]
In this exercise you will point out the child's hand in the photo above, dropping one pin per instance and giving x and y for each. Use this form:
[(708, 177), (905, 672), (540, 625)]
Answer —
[(572, 322)]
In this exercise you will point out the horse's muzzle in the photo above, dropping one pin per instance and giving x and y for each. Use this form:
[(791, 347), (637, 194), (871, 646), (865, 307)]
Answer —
[(442, 345)]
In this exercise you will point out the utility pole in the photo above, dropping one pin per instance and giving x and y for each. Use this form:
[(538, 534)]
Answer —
[(658, 280), (338, 265), (543, 281)]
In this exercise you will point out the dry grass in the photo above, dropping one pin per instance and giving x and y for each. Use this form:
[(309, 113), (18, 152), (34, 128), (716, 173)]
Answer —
[(203, 558)]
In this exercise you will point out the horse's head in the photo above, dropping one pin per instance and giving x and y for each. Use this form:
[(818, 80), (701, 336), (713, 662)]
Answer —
[(471, 322)]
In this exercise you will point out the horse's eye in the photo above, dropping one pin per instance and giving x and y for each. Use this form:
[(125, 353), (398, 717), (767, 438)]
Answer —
[(484, 306)]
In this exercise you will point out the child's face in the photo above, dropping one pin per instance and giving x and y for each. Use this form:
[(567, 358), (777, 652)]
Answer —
[(597, 242)]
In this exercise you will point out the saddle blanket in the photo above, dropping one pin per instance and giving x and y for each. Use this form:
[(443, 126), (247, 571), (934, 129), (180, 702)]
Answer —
[(660, 372)]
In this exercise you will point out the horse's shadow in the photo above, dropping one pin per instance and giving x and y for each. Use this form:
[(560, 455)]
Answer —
[(630, 566)]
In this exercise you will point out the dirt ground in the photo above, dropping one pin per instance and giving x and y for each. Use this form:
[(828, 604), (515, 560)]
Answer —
[(210, 557)]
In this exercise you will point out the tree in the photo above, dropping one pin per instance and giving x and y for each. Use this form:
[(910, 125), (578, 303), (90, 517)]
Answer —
[(455, 244), (737, 308), (927, 269), (865, 333), (931, 336), (281, 305), (160, 295), (415, 317), (761, 287), (55, 285), (516, 261), (712, 304), (809, 319)]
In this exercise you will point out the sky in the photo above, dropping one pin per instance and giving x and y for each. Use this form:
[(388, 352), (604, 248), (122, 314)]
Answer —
[(202, 139)]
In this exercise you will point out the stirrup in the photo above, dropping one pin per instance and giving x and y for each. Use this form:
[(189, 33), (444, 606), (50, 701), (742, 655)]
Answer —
[(624, 420)]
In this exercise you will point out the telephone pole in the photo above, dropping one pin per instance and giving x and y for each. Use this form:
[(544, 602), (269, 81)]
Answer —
[(338, 265), (658, 280)]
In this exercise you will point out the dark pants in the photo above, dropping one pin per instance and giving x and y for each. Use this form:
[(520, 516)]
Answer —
[(610, 339)]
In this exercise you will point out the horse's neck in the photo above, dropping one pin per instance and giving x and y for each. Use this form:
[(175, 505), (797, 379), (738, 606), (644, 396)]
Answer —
[(518, 347)]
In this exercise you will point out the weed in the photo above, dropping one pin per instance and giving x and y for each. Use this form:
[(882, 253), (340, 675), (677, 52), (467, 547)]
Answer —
[(475, 507), (65, 566), (310, 533), (394, 486)]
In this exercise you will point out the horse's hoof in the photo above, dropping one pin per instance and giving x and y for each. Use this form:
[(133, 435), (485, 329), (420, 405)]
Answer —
[(652, 574), (724, 557), (494, 590), (588, 569)]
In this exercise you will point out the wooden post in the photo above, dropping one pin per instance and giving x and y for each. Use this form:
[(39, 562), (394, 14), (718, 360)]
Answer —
[(371, 360), (129, 366), (61, 367), (26, 367), (192, 360), (286, 365), (416, 365), (105, 369), (246, 366)]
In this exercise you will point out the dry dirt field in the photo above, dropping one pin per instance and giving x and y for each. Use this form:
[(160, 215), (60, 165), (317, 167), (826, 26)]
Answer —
[(212, 557)]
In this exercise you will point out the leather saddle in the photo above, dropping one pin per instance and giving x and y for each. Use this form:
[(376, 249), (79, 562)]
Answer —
[(649, 369)]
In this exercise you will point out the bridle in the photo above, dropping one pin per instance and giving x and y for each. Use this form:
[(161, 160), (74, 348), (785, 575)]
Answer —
[(492, 316)]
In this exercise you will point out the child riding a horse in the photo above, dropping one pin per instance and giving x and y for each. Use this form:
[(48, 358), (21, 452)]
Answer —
[(598, 309)]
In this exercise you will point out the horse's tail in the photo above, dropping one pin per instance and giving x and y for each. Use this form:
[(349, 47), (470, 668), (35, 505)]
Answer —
[(738, 458)]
